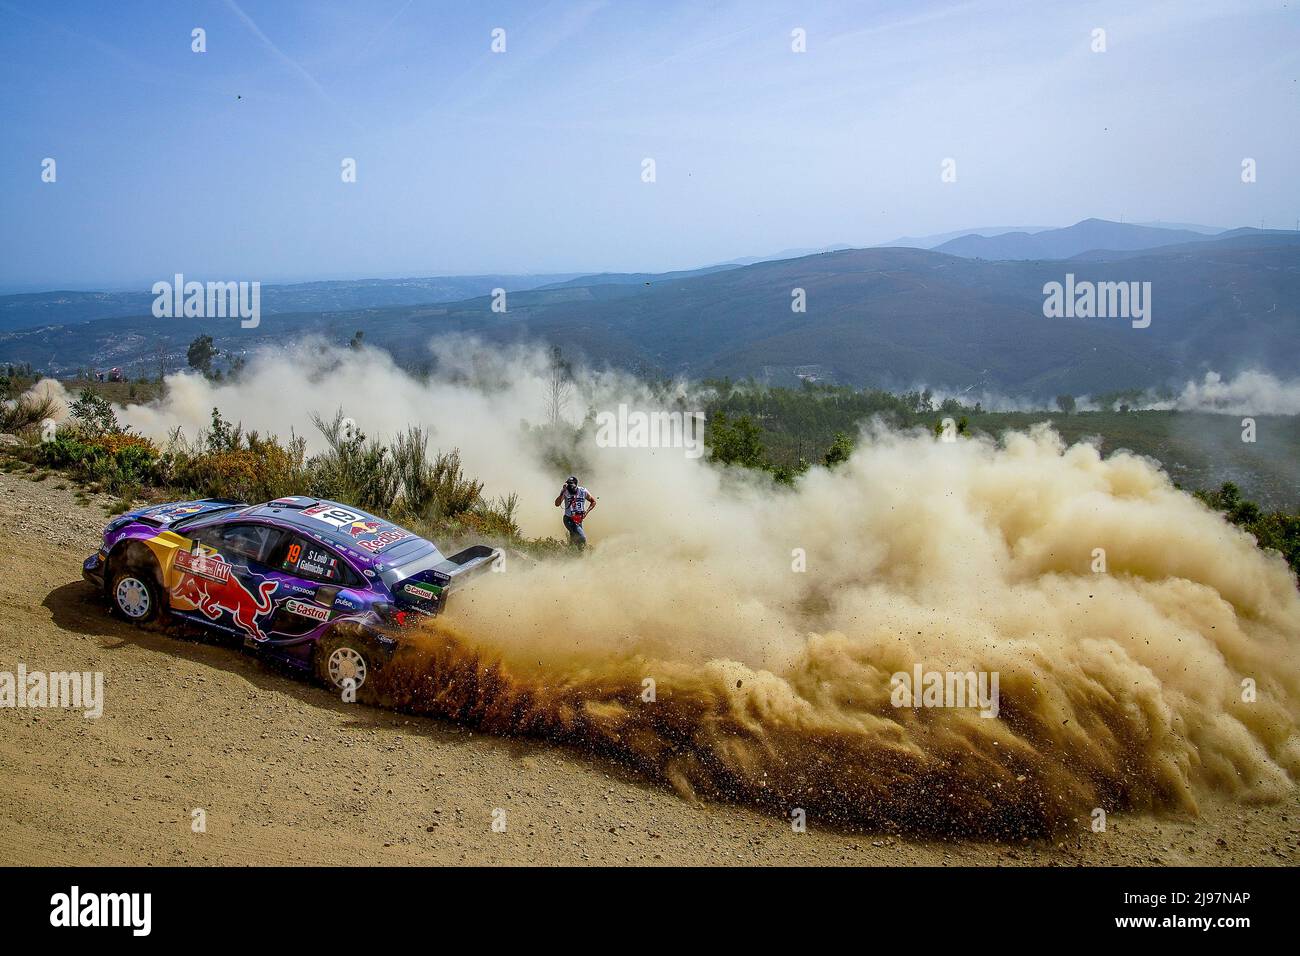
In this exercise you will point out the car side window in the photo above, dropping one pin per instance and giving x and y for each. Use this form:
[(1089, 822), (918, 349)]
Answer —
[(251, 542), (314, 561)]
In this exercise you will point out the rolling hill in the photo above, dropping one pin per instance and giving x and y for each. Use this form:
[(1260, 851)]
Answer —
[(889, 317), (1082, 237)]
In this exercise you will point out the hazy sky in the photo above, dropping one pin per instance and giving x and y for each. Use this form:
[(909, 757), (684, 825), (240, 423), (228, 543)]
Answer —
[(226, 164)]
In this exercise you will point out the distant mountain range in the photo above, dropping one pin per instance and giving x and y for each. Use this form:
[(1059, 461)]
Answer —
[(1086, 236), (58, 308), (989, 232), (929, 242), (892, 317)]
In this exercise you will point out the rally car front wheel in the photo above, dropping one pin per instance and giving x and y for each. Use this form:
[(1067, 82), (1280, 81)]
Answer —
[(135, 594), (341, 658)]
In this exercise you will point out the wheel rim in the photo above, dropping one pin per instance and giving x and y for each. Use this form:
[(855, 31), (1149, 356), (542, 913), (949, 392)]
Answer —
[(133, 597), (346, 662)]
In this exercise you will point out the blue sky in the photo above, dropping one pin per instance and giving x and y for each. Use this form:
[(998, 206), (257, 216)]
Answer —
[(226, 164)]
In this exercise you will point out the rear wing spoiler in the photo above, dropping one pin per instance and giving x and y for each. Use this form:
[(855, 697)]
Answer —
[(466, 565)]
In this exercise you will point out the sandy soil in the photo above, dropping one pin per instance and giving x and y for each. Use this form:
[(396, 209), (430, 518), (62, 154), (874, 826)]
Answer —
[(286, 773)]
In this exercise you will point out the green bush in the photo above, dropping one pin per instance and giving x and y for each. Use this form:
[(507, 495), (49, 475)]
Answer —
[(840, 451), (226, 462), (117, 462), (93, 415), (452, 493), (25, 412), (355, 470), (735, 443)]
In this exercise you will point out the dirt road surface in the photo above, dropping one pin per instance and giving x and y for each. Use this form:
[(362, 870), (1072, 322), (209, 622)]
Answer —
[(285, 773)]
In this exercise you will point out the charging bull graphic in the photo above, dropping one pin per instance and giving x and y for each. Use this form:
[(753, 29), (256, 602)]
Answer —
[(208, 584)]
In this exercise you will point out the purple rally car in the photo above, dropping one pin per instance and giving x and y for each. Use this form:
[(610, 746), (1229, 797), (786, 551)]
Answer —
[(318, 584)]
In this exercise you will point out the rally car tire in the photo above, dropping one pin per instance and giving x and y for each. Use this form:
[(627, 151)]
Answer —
[(134, 593), (341, 655)]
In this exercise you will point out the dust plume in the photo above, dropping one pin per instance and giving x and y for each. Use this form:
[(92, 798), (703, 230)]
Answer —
[(1250, 392), (51, 390), (1146, 650)]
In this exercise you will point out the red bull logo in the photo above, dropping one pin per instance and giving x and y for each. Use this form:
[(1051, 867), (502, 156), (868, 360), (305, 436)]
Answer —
[(383, 540), (215, 590)]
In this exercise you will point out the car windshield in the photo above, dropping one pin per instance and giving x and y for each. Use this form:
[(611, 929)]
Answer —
[(188, 520)]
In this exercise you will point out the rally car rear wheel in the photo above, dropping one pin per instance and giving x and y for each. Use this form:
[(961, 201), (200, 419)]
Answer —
[(135, 594), (343, 657)]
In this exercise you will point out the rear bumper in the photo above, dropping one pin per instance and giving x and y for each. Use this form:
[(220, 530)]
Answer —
[(92, 569)]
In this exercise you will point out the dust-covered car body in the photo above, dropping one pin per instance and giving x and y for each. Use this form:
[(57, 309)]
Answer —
[(297, 578)]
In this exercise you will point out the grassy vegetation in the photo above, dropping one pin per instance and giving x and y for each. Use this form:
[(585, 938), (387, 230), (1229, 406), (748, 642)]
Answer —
[(16, 379), (136, 392), (119, 464), (1198, 450), (25, 412)]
